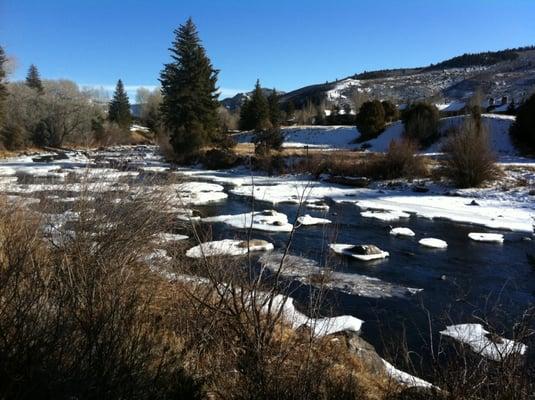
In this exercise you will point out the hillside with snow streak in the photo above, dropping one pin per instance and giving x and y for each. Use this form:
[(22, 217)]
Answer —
[(344, 137)]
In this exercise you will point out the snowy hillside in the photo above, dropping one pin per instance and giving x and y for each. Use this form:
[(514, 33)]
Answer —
[(343, 137)]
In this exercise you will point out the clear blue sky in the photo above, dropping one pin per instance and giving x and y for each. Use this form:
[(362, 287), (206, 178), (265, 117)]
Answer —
[(285, 43)]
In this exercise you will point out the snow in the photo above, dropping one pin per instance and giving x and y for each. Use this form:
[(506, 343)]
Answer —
[(267, 220), (400, 231), (319, 327), (504, 213), (510, 210), (433, 243), (197, 192), (404, 378), (345, 249), (171, 237), (496, 125), (317, 205), (486, 237), (228, 247), (385, 215), (308, 220), (481, 341)]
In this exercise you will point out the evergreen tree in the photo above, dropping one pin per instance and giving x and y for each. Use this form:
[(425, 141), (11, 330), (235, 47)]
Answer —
[(370, 120), (259, 109), (255, 112), (3, 89), (290, 110), (274, 109), (523, 129), (119, 107), (421, 121), (33, 79), (391, 111), (189, 104)]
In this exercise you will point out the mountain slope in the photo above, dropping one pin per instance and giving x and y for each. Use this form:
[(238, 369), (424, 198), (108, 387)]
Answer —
[(509, 73)]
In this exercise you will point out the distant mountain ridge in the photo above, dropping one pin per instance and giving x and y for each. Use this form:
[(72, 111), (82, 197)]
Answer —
[(235, 102), (508, 73)]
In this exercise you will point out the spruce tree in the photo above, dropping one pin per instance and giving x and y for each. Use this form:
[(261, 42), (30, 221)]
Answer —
[(370, 120), (259, 109), (190, 98), (33, 79), (119, 107), (3, 89), (274, 109), (523, 129)]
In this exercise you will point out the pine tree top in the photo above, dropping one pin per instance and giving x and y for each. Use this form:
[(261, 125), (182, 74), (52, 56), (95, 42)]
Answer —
[(119, 107), (33, 79)]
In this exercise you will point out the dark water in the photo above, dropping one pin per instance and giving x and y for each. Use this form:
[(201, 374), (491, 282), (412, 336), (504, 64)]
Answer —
[(485, 280)]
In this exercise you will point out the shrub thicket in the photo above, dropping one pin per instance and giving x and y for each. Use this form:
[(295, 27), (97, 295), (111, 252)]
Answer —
[(469, 159)]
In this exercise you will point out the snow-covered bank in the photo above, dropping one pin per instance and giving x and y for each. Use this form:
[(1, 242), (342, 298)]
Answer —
[(344, 137)]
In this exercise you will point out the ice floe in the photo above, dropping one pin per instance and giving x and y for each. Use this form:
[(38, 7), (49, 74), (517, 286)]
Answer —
[(228, 247), (309, 272), (486, 237), (267, 220), (309, 220), (385, 215), (433, 243), (483, 342), (365, 252), (400, 231)]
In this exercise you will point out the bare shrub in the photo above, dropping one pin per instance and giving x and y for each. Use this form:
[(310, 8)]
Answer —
[(401, 160), (469, 160), (76, 308)]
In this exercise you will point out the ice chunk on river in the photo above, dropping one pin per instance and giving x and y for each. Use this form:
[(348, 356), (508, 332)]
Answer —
[(365, 252), (309, 272), (267, 220), (433, 243), (486, 237), (483, 342), (228, 247), (400, 231), (309, 220)]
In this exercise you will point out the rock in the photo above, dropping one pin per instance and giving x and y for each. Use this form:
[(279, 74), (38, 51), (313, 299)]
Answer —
[(364, 350), (473, 203), (357, 181), (365, 249), (532, 192), (420, 189)]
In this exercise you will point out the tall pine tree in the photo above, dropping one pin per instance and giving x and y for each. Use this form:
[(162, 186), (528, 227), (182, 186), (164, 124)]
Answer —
[(189, 104), (254, 113), (119, 107), (3, 89), (33, 79), (274, 109)]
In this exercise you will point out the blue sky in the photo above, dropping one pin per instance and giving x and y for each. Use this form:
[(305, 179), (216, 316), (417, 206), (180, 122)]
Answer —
[(287, 44)]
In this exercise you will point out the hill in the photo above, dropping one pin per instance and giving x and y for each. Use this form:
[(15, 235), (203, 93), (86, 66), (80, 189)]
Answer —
[(506, 73)]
